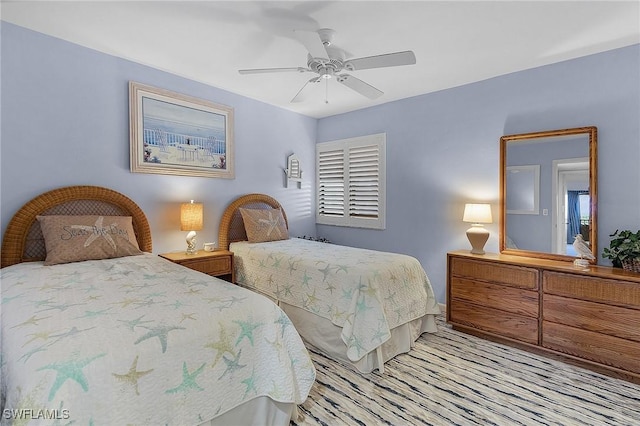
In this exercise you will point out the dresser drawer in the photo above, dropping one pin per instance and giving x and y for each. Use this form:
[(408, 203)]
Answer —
[(614, 292), (494, 321), (509, 299), (597, 347), (211, 266), (606, 319), (508, 275)]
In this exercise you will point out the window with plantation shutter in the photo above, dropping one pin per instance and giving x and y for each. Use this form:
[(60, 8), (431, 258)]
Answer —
[(350, 183)]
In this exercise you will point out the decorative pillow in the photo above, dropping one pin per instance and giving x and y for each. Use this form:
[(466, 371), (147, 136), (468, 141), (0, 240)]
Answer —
[(76, 238), (264, 225)]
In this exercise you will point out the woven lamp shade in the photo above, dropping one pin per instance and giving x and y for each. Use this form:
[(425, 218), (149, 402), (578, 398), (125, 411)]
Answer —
[(191, 216)]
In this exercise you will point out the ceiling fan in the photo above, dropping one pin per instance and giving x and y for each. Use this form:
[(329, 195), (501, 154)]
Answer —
[(329, 61)]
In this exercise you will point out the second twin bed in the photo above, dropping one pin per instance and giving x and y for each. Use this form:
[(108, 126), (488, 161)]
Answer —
[(361, 307)]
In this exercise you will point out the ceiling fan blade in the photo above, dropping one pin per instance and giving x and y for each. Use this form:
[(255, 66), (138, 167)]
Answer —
[(268, 70), (311, 40), (300, 96), (359, 86), (381, 61)]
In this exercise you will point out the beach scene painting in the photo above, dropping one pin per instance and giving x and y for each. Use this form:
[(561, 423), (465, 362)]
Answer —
[(177, 134)]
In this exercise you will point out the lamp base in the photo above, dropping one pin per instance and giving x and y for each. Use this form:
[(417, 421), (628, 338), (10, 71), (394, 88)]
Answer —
[(191, 243), (478, 237)]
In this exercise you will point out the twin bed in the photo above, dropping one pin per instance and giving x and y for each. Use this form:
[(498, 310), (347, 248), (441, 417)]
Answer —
[(361, 307), (126, 337)]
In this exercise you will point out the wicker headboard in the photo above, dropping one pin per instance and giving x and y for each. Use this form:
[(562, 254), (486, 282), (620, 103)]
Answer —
[(23, 241), (231, 225)]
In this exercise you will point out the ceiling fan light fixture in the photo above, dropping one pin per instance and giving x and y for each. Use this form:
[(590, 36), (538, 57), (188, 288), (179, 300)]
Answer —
[(328, 61)]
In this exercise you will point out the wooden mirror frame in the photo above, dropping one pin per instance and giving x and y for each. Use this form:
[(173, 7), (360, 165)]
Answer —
[(593, 190)]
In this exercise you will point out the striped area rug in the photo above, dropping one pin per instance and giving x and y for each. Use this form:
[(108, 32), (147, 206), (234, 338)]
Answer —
[(451, 378)]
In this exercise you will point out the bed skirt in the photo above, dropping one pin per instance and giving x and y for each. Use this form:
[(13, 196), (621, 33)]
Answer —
[(260, 411), (325, 336)]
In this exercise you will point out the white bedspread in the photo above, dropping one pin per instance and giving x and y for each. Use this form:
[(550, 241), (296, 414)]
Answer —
[(140, 340), (365, 292)]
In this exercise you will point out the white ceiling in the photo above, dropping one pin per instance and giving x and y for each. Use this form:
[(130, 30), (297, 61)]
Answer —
[(455, 42)]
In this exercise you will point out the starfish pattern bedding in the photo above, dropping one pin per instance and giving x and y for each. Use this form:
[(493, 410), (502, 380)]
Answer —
[(140, 340), (366, 292)]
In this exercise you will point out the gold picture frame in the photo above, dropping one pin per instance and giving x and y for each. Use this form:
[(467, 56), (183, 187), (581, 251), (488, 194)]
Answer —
[(176, 134)]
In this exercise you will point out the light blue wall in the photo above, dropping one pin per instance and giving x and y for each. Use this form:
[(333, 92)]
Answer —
[(443, 150), (65, 121)]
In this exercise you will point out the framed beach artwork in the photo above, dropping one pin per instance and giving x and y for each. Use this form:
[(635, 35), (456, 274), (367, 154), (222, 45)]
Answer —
[(177, 134)]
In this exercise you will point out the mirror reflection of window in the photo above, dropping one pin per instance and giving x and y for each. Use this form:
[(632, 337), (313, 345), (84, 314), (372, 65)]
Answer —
[(584, 201), (576, 218)]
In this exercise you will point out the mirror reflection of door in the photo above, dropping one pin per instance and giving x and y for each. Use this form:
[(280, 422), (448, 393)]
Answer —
[(571, 204)]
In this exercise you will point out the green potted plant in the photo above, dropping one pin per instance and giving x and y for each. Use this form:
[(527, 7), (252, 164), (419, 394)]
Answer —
[(624, 250)]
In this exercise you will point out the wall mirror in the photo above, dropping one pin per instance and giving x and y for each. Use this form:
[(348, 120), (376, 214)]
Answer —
[(548, 192)]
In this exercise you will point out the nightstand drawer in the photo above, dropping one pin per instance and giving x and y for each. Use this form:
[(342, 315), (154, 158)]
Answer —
[(211, 266), (217, 263)]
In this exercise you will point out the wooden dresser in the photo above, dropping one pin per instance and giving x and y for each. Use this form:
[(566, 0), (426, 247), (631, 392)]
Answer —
[(590, 317)]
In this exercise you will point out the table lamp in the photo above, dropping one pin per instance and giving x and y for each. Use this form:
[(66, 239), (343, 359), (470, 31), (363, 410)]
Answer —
[(477, 214), (191, 220)]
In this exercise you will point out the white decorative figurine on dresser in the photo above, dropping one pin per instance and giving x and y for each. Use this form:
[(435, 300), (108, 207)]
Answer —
[(584, 251)]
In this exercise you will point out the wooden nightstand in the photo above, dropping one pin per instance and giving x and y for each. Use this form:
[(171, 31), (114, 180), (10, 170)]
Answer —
[(218, 263)]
